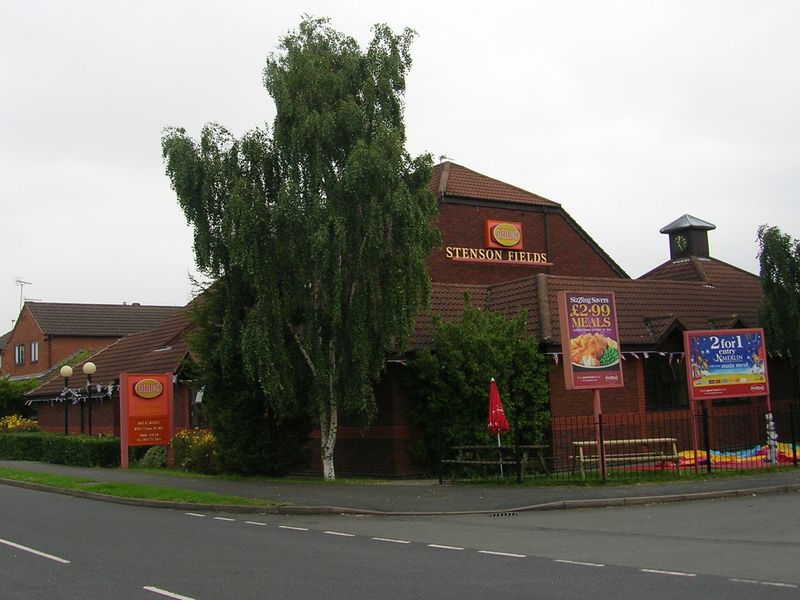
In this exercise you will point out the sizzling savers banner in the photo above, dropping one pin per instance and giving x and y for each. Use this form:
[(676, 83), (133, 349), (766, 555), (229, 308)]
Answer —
[(589, 340)]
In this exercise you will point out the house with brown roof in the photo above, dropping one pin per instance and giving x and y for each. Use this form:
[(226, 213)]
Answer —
[(162, 349), (47, 333), (3, 341)]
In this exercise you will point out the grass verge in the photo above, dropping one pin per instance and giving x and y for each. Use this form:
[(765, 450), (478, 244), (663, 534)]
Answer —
[(129, 490)]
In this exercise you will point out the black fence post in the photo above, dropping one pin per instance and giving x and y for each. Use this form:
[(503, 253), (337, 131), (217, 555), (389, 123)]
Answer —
[(792, 410), (518, 454), (707, 440), (440, 452), (601, 452)]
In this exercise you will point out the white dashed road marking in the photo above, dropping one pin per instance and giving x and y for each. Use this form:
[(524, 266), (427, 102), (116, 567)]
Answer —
[(508, 554), (156, 590), (676, 573), (63, 561), (407, 542), (772, 583), (578, 562)]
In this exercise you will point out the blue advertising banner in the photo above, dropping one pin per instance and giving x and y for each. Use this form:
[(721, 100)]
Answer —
[(727, 363)]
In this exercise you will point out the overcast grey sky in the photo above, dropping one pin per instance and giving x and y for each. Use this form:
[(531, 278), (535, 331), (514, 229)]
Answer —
[(629, 114)]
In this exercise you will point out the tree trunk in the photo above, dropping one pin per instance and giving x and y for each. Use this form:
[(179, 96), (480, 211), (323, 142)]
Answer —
[(328, 424)]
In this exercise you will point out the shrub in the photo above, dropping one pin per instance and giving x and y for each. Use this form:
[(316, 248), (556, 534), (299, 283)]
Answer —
[(154, 458), (81, 450), (77, 450), (21, 446), (12, 396), (449, 382), (17, 423), (196, 450)]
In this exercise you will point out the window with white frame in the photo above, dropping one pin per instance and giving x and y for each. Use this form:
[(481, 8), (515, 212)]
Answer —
[(34, 352), (19, 354)]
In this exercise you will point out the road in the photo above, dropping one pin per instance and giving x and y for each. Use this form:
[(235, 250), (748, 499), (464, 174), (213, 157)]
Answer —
[(54, 546)]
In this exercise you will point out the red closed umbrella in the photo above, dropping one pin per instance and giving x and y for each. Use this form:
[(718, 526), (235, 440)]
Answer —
[(497, 417)]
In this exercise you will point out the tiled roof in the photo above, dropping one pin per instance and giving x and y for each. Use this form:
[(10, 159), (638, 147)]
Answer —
[(447, 302), (160, 350), (97, 320), (648, 309), (4, 339), (687, 222), (451, 179), (708, 270)]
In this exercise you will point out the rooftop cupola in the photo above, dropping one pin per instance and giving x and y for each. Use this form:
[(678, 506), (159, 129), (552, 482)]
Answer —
[(688, 236)]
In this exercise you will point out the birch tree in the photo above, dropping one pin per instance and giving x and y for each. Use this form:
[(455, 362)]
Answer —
[(329, 219), (779, 259)]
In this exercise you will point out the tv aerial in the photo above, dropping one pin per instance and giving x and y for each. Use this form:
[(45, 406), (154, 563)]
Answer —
[(21, 285)]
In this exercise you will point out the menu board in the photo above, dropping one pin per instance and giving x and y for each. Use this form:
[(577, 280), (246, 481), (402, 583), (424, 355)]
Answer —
[(590, 340)]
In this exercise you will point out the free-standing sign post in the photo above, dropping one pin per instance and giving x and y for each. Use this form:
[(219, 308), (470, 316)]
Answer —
[(590, 347), (728, 363), (145, 411)]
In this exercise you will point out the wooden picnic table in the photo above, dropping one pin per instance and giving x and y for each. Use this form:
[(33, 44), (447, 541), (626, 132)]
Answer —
[(660, 449), (499, 455)]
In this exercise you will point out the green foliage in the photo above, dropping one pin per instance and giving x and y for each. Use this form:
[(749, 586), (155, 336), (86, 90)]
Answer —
[(78, 450), (196, 450), (129, 490), (250, 437), (12, 396), (154, 458), (21, 446), (450, 381), (779, 258), (15, 423), (318, 235)]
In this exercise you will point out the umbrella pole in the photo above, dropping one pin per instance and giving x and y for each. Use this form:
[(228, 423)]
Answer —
[(500, 452)]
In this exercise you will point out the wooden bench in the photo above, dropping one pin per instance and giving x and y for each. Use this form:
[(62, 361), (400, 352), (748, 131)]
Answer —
[(629, 451), (498, 456)]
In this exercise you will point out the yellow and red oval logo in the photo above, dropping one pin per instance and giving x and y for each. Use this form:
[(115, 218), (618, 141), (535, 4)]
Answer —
[(148, 388), (506, 234), (503, 234)]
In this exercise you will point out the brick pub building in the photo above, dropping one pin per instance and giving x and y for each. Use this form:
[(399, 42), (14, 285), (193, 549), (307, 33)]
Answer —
[(510, 249), (690, 291)]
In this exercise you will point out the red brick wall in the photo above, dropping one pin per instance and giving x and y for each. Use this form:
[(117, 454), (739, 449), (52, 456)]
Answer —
[(462, 225), (572, 403), (105, 414), (52, 350), (380, 450)]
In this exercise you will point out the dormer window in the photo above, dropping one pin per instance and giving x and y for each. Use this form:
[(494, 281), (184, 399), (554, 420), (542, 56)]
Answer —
[(19, 354)]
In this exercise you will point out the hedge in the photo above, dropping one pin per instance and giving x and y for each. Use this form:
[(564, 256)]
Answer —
[(76, 450)]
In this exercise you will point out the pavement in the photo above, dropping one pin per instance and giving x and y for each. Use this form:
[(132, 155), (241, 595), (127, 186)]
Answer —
[(417, 497)]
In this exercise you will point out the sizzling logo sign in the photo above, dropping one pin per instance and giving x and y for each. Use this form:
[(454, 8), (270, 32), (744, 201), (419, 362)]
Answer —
[(148, 388), (503, 234)]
